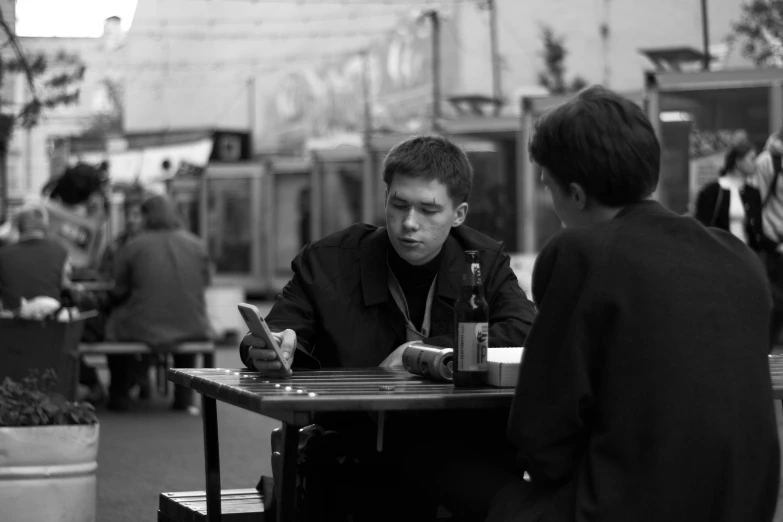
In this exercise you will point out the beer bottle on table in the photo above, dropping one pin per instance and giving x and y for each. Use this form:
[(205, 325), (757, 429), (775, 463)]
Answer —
[(471, 327)]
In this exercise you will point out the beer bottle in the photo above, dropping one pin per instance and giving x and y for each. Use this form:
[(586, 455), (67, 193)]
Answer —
[(471, 327)]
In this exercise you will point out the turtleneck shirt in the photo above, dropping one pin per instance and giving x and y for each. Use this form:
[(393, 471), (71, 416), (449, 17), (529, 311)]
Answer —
[(415, 282)]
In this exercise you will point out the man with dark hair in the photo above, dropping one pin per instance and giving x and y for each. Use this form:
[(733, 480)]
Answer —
[(644, 392), (359, 296)]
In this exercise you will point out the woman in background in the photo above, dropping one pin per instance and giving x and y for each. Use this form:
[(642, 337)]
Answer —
[(730, 202), (160, 279)]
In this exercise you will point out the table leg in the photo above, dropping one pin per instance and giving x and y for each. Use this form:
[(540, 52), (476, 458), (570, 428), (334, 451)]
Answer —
[(286, 493), (211, 457)]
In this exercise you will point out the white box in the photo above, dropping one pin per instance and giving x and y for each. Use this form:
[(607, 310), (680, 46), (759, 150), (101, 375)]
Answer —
[(503, 366)]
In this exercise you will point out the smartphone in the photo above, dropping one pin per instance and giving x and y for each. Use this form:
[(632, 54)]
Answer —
[(259, 328)]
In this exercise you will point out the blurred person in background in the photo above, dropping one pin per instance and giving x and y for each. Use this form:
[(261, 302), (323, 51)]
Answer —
[(767, 180), (134, 224), (160, 279), (36, 266), (730, 203)]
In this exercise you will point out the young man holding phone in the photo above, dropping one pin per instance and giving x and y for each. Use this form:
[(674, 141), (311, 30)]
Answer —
[(359, 296)]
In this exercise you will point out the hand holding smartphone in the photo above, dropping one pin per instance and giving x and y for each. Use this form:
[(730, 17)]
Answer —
[(259, 328)]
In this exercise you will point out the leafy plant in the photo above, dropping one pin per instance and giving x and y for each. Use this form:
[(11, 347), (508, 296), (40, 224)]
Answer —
[(760, 29), (554, 54), (34, 402)]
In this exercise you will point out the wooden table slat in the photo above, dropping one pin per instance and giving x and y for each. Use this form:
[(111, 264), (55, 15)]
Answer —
[(336, 390)]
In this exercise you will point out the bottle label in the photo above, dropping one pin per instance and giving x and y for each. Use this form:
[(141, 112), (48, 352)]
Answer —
[(472, 341)]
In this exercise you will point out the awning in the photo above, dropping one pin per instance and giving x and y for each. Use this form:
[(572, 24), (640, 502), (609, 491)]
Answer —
[(145, 165)]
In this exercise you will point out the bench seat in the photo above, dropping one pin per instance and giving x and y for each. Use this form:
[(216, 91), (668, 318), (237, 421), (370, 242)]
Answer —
[(206, 349), (116, 348), (237, 505)]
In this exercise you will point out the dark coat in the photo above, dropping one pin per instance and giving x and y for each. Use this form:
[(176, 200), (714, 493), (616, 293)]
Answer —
[(645, 386), (339, 305), (160, 280), (709, 216), (31, 268)]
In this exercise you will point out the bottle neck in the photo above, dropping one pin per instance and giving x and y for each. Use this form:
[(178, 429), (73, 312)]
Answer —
[(471, 286)]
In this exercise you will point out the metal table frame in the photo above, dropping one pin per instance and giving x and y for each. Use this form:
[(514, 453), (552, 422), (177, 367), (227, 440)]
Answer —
[(294, 401)]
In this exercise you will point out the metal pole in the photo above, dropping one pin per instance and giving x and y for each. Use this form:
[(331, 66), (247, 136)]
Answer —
[(526, 185), (705, 35), (435, 20), (4, 140), (497, 88), (368, 181)]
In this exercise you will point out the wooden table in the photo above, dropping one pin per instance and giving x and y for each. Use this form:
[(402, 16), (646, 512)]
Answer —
[(295, 400)]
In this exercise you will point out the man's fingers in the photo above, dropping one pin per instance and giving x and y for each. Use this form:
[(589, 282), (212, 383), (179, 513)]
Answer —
[(289, 340), (252, 340), (261, 354), (267, 366)]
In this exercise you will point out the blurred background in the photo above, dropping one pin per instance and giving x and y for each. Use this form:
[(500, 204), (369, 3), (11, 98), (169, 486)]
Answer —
[(267, 122)]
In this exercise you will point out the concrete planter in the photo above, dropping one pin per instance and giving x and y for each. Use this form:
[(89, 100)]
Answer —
[(47, 473)]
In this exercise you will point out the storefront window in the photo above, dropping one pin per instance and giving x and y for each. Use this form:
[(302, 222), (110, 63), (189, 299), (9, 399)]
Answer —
[(492, 209), (342, 195), (697, 127), (292, 217), (229, 223)]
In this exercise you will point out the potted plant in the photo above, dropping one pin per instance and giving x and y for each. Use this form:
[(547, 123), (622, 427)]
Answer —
[(48, 452)]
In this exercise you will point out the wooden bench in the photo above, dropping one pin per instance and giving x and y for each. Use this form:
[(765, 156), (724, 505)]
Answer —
[(237, 505), (206, 349)]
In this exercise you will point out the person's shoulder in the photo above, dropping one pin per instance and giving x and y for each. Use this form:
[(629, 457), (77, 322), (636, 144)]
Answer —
[(710, 187), (189, 237), (56, 246), (350, 238), (582, 242), (471, 239)]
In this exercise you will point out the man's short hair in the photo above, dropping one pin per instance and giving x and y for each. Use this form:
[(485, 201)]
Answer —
[(32, 217), (431, 157), (601, 141)]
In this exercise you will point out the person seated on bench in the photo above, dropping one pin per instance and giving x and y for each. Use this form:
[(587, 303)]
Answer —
[(359, 296), (95, 328), (160, 280), (644, 392), (37, 265)]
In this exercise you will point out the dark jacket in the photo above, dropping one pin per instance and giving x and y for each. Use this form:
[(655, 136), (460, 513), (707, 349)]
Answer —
[(645, 385), (710, 216), (339, 305), (31, 268), (160, 280)]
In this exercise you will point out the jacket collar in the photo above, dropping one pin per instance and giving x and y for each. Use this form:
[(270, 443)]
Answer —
[(375, 269)]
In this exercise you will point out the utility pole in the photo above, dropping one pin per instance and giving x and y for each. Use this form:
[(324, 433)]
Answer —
[(435, 21), (705, 35), (497, 88)]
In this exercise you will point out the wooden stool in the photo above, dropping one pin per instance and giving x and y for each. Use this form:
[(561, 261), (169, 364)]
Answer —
[(237, 505)]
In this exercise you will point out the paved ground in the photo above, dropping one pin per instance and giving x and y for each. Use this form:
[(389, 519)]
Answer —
[(152, 449)]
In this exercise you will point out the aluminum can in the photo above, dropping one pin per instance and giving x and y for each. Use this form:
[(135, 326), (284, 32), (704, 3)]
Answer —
[(428, 361)]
